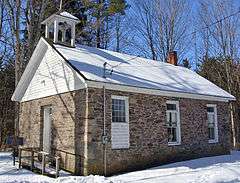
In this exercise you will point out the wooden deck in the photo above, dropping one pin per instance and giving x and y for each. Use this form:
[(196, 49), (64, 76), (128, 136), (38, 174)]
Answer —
[(39, 161)]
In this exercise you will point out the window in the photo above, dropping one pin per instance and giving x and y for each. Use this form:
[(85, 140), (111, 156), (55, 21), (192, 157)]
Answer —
[(212, 123), (173, 123), (118, 110), (120, 122)]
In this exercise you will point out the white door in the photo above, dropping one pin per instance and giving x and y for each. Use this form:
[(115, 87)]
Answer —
[(47, 115)]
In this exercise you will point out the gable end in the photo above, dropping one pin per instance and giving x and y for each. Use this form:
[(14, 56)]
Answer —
[(47, 74)]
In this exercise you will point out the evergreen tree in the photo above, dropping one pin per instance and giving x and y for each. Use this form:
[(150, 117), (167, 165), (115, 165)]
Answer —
[(7, 86), (101, 14), (214, 70)]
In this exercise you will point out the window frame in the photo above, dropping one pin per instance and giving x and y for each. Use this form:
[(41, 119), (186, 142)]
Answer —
[(126, 124), (116, 97), (215, 140), (178, 128)]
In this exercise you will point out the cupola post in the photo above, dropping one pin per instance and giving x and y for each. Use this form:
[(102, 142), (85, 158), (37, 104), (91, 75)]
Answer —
[(47, 31), (73, 35), (56, 31)]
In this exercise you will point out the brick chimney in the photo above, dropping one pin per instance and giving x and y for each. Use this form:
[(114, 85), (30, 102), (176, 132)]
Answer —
[(172, 58)]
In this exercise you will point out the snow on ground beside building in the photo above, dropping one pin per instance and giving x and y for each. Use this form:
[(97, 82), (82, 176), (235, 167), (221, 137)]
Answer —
[(10, 174), (218, 169)]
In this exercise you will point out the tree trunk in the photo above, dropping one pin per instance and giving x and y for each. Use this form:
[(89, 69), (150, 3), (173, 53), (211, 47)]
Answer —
[(118, 20), (98, 24)]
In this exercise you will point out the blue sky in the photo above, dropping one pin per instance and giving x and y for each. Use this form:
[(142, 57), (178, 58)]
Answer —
[(193, 51)]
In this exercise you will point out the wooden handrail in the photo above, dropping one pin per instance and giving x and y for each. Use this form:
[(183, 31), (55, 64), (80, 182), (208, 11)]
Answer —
[(30, 149), (44, 155), (66, 152)]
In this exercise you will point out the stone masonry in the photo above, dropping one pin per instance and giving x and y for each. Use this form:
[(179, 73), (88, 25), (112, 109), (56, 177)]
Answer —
[(66, 118), (148, 133), (77, 128)]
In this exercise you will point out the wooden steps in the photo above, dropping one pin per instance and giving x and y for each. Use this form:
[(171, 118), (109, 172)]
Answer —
[(39, 161)]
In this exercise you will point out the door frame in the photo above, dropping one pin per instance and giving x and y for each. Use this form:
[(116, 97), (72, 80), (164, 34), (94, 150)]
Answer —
[(47, 133)]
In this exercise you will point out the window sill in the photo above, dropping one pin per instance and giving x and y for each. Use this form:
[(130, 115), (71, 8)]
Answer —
[(212, 141), (122, 148), (174, 143)]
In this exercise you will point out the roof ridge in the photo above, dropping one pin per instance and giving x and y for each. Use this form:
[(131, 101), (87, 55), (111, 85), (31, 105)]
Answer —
[(148, 60)]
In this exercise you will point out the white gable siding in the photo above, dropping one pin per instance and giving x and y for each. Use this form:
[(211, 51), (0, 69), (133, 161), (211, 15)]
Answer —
[(52, 77)]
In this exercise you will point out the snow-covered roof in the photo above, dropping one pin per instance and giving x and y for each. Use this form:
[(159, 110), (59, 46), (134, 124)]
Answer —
[(68, 15), (61, 14), (138, 72)]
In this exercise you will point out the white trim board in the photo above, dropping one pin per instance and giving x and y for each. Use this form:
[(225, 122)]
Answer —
[(30, 70), (179, 140), (216, 139), (132, 89)]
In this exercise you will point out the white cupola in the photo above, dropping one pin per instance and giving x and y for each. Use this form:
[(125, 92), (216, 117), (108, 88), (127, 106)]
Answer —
[(60, 27)]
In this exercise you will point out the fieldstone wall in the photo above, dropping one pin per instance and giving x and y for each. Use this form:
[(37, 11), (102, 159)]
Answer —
[(77, 128), (148, 133), (66, 118)]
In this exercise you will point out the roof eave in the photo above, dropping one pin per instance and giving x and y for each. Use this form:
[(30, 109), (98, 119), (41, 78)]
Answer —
[(60, 16), (17, 95), (151, 91)]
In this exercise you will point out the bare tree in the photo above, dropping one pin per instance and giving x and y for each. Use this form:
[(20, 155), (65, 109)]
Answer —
[(33, 15), (174, 24), (14, 9), (145, 26), (14, 14), (162, 26), (120, 34), (220, 19)]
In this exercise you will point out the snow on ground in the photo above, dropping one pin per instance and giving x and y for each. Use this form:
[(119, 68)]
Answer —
[(218, 169), (10, 174)]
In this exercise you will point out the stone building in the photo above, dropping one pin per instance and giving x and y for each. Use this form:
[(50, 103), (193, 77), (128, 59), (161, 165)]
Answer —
[(105, 112)]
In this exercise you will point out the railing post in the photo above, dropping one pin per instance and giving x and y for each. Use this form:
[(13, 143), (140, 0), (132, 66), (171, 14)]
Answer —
[(65, 160), (43, 163), (14, 160), (57, 166), (32, 159), (19, 158)]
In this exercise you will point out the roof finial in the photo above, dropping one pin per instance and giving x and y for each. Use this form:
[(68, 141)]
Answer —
[(60, 7)]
